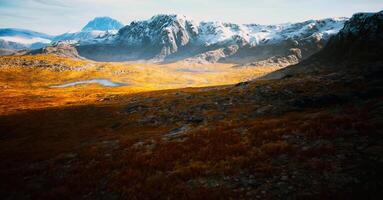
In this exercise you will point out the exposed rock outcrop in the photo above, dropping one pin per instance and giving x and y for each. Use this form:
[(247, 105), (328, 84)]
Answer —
[(61, 49)]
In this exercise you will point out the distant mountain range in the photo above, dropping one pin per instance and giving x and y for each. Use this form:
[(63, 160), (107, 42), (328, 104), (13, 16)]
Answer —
[(11, 38), (174, 37), (168, 38), (17, 39)]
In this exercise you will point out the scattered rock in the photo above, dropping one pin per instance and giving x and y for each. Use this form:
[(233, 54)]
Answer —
[(116, 125), (195, 119), (135, 108), (176, 133), (241, 84)]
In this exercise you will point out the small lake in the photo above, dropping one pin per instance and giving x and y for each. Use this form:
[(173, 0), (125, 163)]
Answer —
[(103, 82), (197, 70)]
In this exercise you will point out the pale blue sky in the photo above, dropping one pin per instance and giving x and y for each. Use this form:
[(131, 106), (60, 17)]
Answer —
[(57, 16)]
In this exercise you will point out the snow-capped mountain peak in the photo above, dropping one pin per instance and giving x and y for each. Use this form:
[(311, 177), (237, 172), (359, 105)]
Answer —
[(103, 24), (167, 32), (97, 30)]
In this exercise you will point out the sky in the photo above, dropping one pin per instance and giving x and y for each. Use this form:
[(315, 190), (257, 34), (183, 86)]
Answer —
[(59, 16)]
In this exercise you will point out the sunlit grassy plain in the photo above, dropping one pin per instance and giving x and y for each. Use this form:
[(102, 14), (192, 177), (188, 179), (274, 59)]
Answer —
[(26, 81)]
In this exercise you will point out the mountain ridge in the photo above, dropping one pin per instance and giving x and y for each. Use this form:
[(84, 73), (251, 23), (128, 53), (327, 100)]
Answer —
[(171, 38), (358, 43), (176, 37)]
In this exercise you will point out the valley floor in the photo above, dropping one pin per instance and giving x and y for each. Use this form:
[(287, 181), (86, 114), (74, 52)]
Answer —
[(30, 82), (304, 137)]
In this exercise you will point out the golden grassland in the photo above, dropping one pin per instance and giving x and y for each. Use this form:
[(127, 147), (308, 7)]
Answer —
[(26, 81)]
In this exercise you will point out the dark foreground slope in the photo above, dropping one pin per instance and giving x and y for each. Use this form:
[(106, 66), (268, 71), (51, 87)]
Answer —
[(315, 134)]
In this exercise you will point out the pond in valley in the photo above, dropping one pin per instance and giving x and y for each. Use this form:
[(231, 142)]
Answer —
[(103, 82)]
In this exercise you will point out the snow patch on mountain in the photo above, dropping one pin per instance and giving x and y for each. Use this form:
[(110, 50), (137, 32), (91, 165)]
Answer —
[(84, 37), (176, 30), (312, 28)]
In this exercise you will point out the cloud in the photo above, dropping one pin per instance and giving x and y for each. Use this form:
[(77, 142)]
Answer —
[(58, 3)]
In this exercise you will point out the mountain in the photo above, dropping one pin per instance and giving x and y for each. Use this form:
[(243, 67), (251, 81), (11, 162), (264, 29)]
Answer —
[(103, 24), (169, 38), (175, 37), (357, 47), (360, 39), (84, 37), (16, 39), (5, 52), (97, 30), (61, 49)]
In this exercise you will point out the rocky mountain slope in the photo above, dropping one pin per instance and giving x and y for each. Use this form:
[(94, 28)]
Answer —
[(360, 41), (175, 37), (60, 49)]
